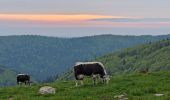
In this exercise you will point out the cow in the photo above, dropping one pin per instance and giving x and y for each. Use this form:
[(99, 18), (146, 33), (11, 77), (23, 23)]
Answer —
[(93, 69), (23, 78)]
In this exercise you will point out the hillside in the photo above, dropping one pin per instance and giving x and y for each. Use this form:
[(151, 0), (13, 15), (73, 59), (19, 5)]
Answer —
[(133, 86), (151, 57), (7, 76), (42, 57)]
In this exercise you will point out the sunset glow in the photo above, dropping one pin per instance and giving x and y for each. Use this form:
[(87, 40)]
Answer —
[(76, 20), (80, 17), (53, 17)]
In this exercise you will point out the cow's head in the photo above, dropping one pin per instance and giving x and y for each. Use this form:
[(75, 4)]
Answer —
[(106, 79)]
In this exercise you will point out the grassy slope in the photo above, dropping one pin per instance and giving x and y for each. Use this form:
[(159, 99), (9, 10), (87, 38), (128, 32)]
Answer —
[(134, 86), (154, 56)]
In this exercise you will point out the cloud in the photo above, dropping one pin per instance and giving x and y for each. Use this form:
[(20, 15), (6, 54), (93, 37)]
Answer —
[(69, 20), (52, 17)]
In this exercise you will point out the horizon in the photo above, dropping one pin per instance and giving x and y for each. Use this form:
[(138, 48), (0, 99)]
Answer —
[(80, 36), (77, 18)]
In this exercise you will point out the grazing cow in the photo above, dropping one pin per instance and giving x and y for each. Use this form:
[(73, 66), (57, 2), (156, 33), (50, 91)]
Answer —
[(94, 69), (23, 78)]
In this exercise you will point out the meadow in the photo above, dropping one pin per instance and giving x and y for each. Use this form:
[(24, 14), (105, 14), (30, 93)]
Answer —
[(136, 86)]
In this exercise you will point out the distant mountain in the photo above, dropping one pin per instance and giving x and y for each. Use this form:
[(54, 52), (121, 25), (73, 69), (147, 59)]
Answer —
[(43, 57), (149, 57), (7, 76)]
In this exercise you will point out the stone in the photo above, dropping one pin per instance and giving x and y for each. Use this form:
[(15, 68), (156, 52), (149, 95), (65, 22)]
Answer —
[(158, 95), (47, 90), (121, 97)]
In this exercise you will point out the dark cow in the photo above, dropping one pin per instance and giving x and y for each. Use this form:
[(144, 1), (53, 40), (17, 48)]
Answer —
[(93, 69), (23, 78)]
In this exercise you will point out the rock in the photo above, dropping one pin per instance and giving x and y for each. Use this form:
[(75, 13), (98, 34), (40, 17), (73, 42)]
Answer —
[(47, 90), (158, 95), (121, 97)]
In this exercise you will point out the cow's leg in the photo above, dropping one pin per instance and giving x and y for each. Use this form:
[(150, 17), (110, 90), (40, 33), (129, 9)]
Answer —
[(94, 81), (81, 81), (25, 82), (20, 83), (103, 80), (29, 83), (17, 82), (94, 77), (79, 78), (76, 83)]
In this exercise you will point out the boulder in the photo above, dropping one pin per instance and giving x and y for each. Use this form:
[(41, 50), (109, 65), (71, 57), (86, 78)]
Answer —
[(47, 90), (158, 95)]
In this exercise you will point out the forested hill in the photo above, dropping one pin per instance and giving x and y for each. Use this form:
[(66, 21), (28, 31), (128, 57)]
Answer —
[(149, 57), (42, 57)]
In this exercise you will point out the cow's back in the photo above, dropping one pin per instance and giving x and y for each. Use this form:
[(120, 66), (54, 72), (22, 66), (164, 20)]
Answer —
[(89, 69), (23, 78)]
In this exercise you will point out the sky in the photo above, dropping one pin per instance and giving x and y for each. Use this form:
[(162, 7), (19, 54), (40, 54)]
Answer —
[(75, 18)]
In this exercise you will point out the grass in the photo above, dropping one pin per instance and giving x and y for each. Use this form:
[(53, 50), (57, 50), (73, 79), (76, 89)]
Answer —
[(133, 86)]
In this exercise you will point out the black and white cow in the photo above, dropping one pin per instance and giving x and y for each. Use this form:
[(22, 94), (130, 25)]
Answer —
[(93, 69), (23, 78)]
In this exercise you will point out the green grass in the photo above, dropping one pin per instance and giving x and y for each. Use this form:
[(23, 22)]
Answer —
[(133, 86)]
